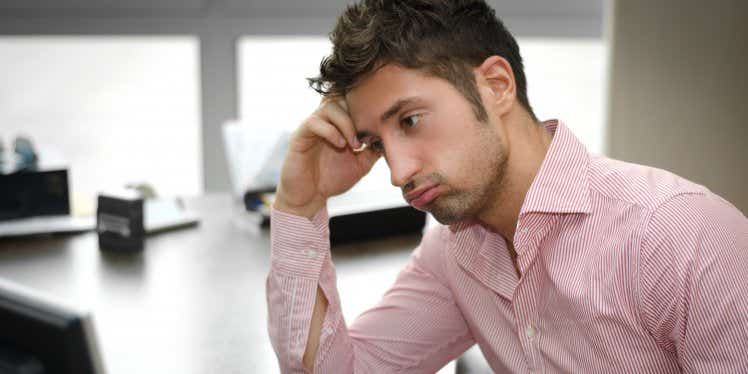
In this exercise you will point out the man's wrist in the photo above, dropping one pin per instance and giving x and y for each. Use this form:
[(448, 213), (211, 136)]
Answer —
[(307, 210)]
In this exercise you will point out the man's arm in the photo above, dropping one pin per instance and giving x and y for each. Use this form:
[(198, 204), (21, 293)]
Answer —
[(315, 328), (319, 164), (694, 283), (416, 327)]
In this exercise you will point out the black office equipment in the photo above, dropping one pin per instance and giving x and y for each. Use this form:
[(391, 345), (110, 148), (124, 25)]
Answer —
[(119, 221), (353, 216), (375, 224), (34, 193), (40, 336), (123, 219)]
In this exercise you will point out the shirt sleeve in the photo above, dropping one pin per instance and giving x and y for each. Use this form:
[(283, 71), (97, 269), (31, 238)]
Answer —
[(694, 283), (416, 327)]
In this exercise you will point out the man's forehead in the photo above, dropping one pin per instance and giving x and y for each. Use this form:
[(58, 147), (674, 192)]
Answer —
[(385, 82), (380, 95)]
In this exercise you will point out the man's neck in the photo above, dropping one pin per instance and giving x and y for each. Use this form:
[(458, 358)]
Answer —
[(528, 142)]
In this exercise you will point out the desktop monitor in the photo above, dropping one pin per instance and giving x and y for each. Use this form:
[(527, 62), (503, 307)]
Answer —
[(41, 336)]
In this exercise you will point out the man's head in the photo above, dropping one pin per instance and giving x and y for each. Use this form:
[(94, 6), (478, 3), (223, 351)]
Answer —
[(443, 38), (432, 85)]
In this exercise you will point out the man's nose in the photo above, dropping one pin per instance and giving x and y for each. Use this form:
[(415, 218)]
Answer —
[(403, 167)]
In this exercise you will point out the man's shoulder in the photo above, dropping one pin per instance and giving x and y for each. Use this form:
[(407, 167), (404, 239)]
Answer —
[(645, 187), (695, 220), (672, 210)]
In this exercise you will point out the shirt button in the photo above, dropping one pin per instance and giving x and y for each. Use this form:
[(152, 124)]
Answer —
[(311, 253), (524, 231), (530, 331)]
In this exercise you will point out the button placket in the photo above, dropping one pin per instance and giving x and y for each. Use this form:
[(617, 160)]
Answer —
[(522, 320), (530, 331), (526, 321)]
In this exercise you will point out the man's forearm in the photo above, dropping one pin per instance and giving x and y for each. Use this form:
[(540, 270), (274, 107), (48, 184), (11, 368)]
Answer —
[(320, 304), (308, 210), (315, 329), (298, 309)]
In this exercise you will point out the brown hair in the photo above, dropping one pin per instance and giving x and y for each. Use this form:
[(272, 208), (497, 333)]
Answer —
[(445, 38)]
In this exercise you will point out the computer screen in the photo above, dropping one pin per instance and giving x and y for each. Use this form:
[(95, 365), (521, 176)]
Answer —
[(41, 336)]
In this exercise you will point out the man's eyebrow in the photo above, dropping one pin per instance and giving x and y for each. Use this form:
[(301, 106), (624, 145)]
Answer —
[(391, 111), (396, 107)]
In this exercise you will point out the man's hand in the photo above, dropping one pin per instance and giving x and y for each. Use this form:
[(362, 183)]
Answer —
[(320, 162)]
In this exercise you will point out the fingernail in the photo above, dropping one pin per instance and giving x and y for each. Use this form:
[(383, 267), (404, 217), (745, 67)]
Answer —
[(341, 142), (355, 142)]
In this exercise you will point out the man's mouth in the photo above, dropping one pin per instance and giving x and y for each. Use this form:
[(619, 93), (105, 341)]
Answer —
[(423, 196)]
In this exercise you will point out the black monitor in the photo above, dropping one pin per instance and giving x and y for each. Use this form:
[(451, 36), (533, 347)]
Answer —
[(42, 336)]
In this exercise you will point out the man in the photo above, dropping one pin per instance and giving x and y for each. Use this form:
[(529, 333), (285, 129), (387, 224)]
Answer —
[(553, 260)]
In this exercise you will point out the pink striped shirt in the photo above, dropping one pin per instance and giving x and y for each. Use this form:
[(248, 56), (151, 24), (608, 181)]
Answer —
[(625, 269)]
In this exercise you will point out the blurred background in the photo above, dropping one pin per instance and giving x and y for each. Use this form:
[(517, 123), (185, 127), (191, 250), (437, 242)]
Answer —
[(138, 92)]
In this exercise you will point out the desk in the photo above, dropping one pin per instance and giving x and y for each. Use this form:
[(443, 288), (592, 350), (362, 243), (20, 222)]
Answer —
[(194, 300)]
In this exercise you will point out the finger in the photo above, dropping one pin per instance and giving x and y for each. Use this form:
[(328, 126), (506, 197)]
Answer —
[(333, 111), (318, 127), (343, 104), (367, 159)]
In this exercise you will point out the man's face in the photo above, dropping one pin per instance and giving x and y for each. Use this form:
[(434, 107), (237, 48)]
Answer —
[(445, 161)]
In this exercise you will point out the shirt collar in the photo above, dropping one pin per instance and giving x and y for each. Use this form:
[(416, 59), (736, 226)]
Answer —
[(561, 185)]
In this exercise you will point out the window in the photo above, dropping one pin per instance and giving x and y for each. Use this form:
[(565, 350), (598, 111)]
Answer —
[(114, 109), (566, 79)]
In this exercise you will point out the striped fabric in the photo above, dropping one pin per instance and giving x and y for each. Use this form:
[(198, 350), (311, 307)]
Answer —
[(624, 269)]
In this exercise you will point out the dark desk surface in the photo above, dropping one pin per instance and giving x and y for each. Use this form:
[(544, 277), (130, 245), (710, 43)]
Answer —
[(194, 300)]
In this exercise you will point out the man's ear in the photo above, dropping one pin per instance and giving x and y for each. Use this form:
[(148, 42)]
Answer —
[(495, 74)]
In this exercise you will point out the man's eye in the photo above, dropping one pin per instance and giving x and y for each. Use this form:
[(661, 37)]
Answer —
[(411, 121), (376, 146)]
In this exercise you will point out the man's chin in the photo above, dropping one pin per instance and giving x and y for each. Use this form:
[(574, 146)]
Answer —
[(446, 217), (449, 211), (447, 221)]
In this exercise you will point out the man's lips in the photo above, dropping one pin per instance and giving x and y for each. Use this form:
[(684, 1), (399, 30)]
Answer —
[(422, 196)]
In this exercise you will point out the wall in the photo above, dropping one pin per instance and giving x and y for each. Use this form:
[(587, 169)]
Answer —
[(678, 90)]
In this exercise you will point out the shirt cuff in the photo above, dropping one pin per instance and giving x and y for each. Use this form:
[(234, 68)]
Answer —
[(299, 246)]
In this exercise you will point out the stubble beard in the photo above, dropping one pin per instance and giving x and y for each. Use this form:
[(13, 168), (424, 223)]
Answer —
[(459, 205)]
